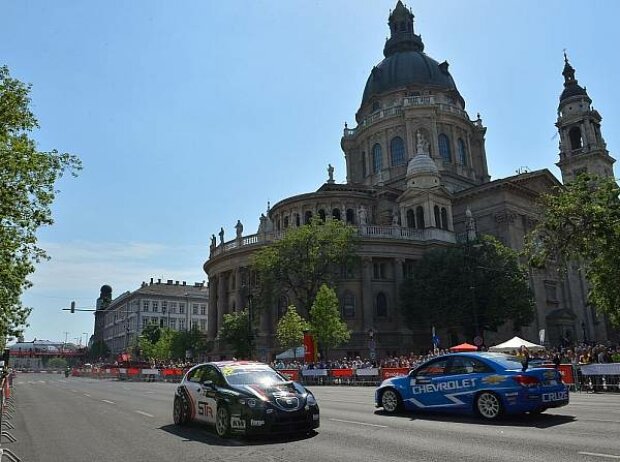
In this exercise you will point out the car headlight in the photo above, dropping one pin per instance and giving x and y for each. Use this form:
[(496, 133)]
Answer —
[(310, 399), (251, 402)]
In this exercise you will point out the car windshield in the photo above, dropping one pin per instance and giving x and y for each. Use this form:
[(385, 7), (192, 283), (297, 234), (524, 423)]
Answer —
[(264, 377)]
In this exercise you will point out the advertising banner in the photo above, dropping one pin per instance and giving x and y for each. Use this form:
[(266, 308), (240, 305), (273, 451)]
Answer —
[(309, 348), (291, 374), (388, 372)]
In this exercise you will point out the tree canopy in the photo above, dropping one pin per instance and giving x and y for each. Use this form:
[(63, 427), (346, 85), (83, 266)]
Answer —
[(235, 333), (27, 190), (305, 258), (470, 287), (326, 323), (581, 221), (290, 329)]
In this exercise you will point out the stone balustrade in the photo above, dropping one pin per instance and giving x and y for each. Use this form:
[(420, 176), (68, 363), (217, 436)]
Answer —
[(363, 231)]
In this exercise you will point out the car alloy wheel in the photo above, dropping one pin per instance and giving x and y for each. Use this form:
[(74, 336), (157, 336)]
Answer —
[(488, 405), (179, 411), (222, 421), (390, 401)]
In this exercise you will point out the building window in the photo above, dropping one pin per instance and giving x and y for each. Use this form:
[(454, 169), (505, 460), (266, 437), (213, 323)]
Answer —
[(350, 216), (397, 148), (181, 308), (308, 217), (348, 305), (376, 106), (285, 222), (297, 220), (419, 212), (181, 324), (444, 148), (381, 305), (173, 307), (145, 322), (195, 309), (336, 214), (203, 309), (203, 324), (377, 161), (437, 216), (410, 219), (444, 218), (164, 307), (408, 268), (145, 305), (173, 324), (379, 271), (551, 291), (462, 151), (575, 138), (322, 215), (155, 307)]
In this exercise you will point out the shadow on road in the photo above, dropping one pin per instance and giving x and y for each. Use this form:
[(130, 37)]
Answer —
[(523, 420), (203, 434)]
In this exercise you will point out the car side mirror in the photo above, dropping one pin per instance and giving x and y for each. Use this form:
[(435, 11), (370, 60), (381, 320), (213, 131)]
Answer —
[(207, 383)]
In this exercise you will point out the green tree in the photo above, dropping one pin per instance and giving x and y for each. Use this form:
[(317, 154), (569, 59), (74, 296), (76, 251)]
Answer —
[(326, 324), (27, 190), (471, 287), (151, 333), (581, 221), (98, 350), (235, 333), (160, 349), (57, 363), (305, 258), (290, 330), (192, 340)]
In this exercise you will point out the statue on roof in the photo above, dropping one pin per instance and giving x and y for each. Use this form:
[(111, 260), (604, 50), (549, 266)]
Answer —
[(330, 173)]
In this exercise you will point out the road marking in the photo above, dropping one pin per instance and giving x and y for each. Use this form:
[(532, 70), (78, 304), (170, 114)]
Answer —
[(74, 391), (107, 401), (87, 395), (359, 423), (596, 454), (144, 413)]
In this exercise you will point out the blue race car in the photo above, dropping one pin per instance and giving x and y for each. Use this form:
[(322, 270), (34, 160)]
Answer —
[(486, 384)]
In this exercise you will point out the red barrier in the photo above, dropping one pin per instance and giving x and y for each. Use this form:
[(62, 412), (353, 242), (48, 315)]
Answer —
[(341, 373), (133, 371), (170, 372), (291, 374), (387, 372), (566, 370)]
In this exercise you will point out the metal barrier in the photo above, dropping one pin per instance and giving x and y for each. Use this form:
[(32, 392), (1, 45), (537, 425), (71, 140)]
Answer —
[(7, 407), (599, 377)]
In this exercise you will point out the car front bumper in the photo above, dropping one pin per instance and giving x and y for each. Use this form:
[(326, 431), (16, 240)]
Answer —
[(275, 421)]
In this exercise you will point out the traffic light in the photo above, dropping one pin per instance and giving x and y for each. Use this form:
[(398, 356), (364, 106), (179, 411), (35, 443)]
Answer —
[(73, 307)]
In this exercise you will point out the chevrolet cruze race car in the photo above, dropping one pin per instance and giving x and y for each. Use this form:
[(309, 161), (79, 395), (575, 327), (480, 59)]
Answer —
[(244, 397), (486, 384)]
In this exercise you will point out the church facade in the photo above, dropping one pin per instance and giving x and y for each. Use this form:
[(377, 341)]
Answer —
[(417, 179)]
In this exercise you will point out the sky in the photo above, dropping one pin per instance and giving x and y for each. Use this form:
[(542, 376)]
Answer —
[(191, 115)]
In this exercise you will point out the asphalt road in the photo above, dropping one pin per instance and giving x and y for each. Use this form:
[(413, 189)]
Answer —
[(79, 419)]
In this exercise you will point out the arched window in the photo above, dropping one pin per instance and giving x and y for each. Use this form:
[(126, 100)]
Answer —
[(444, 148), (282, 306), (397, 149), (307, 217), (381, 305), (462, 151), (419, 212), (322, 214), (278, 224), (350, 216), (285, 222), (444, 218), (410, 219), (297, 220), (348, 305), (336, 214), (575, 138), (377, 161), (437, 216)]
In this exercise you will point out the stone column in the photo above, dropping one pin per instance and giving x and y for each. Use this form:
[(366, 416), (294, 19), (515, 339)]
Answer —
[(212, 318), (221, 298), (367, 299)]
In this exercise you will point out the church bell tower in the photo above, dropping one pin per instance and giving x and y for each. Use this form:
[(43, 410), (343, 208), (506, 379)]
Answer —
[(582, 147)]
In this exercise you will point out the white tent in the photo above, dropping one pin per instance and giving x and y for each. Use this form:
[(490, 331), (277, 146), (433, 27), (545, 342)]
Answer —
[(514, 344), (292, 353)]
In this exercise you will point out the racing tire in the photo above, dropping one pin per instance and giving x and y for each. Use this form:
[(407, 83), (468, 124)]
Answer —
[(180, 411), (488, 405), (391, 401), (222, 421)]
